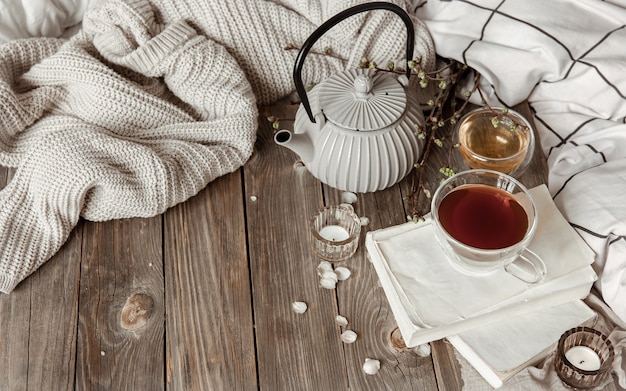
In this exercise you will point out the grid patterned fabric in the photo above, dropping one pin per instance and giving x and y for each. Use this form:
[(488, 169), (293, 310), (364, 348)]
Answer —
[(568, 59)]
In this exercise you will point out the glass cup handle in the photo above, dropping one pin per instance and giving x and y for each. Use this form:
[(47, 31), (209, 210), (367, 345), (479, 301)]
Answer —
[(528, 267)]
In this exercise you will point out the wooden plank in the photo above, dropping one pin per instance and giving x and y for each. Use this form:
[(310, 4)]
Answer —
[(210, 334), (38, 321), (121, 306), (447, 367), (363, 301), (294, 351), (53, 291), (14, 326)]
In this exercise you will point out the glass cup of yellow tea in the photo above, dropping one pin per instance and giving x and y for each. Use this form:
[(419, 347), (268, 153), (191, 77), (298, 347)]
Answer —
[(494, 138)]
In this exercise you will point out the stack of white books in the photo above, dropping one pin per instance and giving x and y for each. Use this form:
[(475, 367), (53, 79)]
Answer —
[(497, 322)]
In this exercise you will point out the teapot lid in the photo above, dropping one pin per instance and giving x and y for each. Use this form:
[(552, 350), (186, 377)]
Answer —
[(360, 100)]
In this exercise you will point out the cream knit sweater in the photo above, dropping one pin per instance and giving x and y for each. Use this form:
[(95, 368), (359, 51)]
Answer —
[(149, 103)]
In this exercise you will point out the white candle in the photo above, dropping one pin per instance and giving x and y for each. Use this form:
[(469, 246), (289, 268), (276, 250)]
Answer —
[(334, 233), (583, 358)]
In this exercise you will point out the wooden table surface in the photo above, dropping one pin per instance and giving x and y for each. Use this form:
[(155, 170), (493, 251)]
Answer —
[(199, 298)]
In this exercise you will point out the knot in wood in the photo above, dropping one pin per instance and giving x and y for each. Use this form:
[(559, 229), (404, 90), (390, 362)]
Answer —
[(136, 311), (396, 341)]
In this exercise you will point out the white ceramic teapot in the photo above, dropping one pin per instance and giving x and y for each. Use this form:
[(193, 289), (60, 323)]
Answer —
[(355, 131)]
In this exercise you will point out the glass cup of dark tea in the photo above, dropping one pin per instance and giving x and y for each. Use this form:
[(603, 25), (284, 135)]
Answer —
[(485, 220), (494, 138)]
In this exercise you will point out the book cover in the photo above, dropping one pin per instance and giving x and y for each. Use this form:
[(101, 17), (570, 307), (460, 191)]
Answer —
[(501, 349)]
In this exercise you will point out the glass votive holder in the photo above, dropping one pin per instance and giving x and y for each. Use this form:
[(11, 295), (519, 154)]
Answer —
[(496, 139), (335, 232), (583, 358)]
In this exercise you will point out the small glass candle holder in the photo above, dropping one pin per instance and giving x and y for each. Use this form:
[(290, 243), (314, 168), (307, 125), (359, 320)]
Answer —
[(583, 358), (335, 233), (493, 138)]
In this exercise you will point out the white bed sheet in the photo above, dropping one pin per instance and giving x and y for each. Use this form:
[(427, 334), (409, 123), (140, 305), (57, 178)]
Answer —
[(39, 18)]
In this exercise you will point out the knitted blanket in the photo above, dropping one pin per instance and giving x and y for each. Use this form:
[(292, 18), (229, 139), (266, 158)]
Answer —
[(151, 101)]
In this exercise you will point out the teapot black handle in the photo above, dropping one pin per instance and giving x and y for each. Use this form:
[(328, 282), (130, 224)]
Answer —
[(308, 44)]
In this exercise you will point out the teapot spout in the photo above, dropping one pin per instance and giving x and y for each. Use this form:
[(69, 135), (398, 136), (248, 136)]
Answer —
[(301, 144)]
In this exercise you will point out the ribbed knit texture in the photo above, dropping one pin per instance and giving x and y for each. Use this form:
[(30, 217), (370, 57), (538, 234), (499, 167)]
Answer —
[(149, 103)]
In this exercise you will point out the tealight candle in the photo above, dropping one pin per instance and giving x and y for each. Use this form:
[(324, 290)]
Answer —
[(334, 233), (584, 358)]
